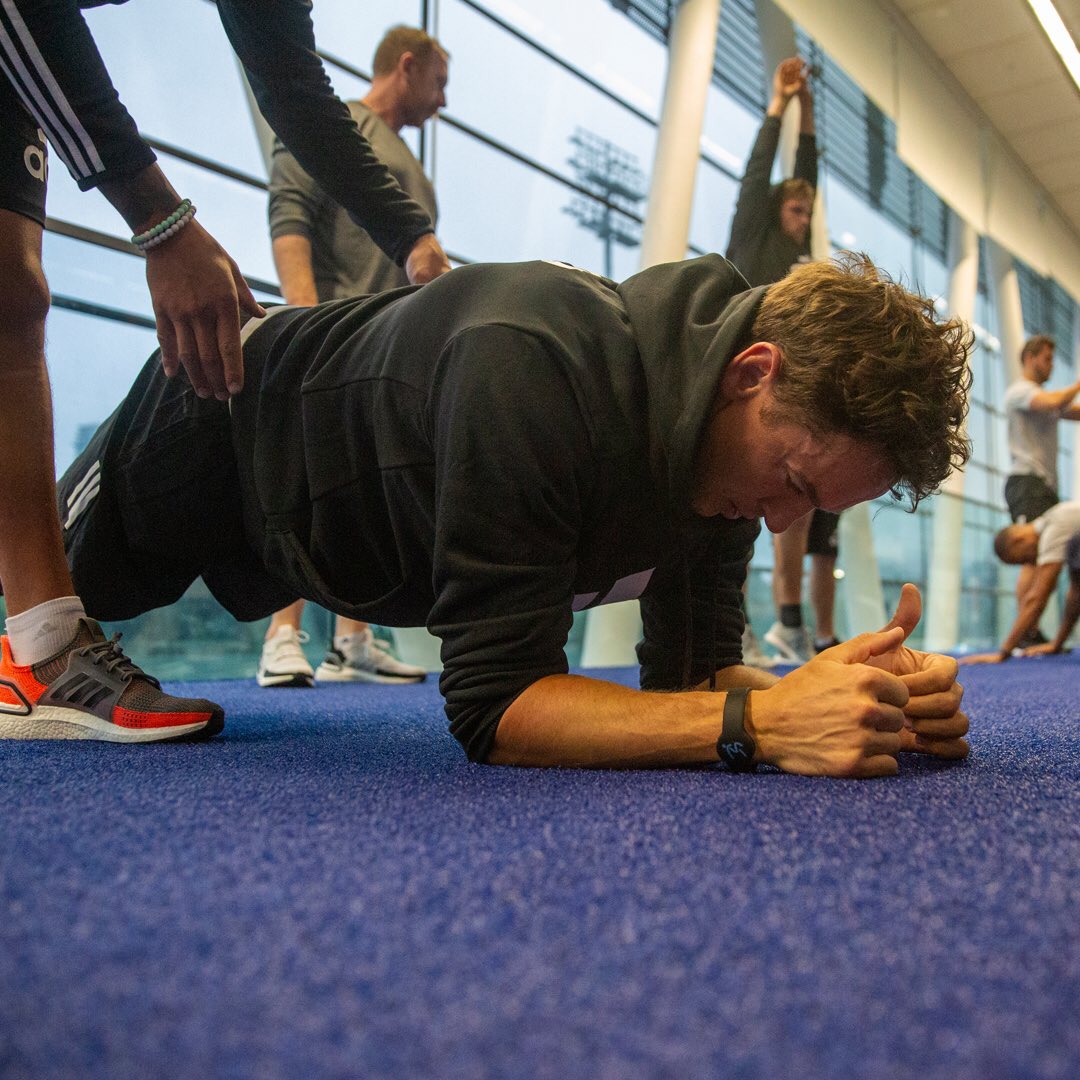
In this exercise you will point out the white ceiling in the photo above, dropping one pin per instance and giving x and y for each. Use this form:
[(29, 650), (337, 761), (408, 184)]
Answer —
[(1000, 55)]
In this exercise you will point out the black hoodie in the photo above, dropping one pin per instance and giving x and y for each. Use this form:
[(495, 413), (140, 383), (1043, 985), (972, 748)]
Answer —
[(495, 450)]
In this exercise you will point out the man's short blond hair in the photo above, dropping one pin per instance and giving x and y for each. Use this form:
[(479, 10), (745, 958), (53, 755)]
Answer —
[(402, 39), (794, 188), (863, 357)]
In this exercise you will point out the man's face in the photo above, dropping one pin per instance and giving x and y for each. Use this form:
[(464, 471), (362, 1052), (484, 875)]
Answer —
[(1041, 365), (426, 89), (795, 219), (754, 465)]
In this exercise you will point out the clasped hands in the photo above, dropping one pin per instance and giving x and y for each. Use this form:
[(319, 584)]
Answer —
[(853, 708)]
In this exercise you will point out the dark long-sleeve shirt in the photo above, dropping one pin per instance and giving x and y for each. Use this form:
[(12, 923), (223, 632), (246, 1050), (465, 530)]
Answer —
[(49, 55), (758, 246), (494, 450)]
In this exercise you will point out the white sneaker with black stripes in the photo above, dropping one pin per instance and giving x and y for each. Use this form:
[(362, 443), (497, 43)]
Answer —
[(362, 657), (283, 662)]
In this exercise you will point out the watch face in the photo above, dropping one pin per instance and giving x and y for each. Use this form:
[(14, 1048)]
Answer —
[(735, 753)]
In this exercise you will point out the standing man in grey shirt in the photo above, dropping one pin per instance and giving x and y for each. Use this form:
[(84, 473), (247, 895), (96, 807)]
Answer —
[(322, 255), (1032, 414)]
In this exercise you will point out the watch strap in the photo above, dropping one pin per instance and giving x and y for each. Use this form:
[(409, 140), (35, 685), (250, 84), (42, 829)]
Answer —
[(735, 747)]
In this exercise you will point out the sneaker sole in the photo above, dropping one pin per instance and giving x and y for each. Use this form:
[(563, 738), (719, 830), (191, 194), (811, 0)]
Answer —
[(325, 674), (291, 679), (784, 649), (52, 722)]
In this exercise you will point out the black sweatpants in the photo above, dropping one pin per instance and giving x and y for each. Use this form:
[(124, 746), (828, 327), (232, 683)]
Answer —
[(153, 503)]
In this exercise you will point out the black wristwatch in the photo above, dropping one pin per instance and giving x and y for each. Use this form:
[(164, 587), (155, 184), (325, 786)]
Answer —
[(735, 747)]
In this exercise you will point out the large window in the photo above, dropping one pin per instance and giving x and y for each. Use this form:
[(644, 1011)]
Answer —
[(98, 356), (176, 72), (594, 38), (550, 103)]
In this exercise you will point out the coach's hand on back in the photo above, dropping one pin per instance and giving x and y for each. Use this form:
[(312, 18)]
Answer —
[(199, 298)]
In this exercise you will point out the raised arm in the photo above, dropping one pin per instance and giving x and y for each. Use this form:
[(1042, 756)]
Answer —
[(806, 106), (806, 156), (272, 37), (751, 217), (789, 80), (752, 210)]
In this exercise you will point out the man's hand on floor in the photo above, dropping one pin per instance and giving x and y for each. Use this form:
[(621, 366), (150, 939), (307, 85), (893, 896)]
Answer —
[(836, 715), (854, 707), (933, 722)]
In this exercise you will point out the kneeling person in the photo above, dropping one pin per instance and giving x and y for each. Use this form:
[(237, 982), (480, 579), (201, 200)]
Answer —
[(1042, 547), (514, 443)]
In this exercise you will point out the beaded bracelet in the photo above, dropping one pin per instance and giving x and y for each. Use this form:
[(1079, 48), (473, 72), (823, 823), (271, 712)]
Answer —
[(175, 221), (174, 228)]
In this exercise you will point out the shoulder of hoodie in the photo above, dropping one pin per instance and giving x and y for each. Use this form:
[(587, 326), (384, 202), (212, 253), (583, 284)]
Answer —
[(541, 296), (576, 313), (571, 314)]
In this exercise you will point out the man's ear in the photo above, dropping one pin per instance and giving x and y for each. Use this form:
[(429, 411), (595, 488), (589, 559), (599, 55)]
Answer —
[(751, 370)]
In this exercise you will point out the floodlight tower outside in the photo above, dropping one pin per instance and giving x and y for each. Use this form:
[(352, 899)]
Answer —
[(616, 182)]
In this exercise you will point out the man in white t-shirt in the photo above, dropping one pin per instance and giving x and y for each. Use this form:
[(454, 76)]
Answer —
[(1045, 545), (1032, 414)]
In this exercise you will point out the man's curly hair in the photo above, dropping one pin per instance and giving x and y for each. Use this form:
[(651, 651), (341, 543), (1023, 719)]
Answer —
[(864, 357)]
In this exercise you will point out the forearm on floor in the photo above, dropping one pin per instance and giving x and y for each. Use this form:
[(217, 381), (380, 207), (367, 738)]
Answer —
[(570, 720)]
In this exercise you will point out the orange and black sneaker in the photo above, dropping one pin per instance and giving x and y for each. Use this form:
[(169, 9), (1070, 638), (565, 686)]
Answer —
[(91, 690)]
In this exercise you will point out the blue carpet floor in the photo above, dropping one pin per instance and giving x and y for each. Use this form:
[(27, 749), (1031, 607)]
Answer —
[(330, 890)]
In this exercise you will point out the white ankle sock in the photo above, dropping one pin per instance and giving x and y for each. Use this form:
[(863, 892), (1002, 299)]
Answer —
[(42, 631)]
